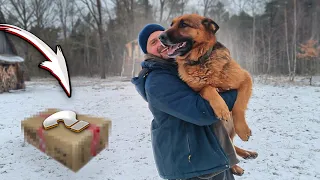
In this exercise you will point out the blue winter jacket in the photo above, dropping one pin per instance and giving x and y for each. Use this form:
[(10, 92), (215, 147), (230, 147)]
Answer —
[(183, 143)]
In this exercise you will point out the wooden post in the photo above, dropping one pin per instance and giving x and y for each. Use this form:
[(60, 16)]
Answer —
[(133, 60), (123, 62)]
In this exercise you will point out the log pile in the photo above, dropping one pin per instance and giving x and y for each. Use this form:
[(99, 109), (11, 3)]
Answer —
[(10, 77)]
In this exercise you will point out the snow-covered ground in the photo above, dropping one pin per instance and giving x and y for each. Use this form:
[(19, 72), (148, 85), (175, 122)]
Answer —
[(285, 121)]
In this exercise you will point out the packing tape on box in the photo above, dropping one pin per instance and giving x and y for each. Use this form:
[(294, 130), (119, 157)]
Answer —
[(95, 130), (42, 141)]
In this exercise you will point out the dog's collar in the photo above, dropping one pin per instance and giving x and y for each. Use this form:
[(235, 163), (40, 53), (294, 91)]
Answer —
[(205, 57)]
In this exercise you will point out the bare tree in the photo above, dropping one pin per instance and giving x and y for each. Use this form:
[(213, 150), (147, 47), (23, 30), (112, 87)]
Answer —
[(172, 9), (207, 4), (146, 9), (287, 41), (126, 14), (2, 3), (253, 7), (42, 12), (162, 5), (315, 20), (239, 4), (253, 54), (265, 43), (22, 11), (94, 8), (99, 23), (294, 40), (66, 12), (269, 52), (184, 3), (2, 18), (168, 9)]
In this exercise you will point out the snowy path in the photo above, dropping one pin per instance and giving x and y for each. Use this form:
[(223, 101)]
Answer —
[(285, 122)]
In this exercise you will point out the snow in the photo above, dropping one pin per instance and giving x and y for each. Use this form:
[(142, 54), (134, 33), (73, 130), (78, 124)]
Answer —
[(5, 58), (285, 120)]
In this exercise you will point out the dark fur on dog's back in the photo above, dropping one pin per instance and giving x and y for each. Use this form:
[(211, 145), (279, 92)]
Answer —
[(205, 64)]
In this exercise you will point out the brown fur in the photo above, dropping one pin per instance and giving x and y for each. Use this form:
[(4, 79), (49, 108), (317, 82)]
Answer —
[(219, 71)]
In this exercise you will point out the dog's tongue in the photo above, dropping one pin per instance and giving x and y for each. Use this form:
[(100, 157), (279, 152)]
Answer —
[(173, 48)]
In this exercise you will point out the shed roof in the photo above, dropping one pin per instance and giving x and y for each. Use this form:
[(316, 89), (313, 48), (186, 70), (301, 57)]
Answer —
[(8, 53), (9, 59), (5, 47)]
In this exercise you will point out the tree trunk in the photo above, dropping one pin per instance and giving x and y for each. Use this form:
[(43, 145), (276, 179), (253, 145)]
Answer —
[(294, 40), (205, 7), (87, 54), (253, 43), (62, 10), (162, 3), (252, 64), (183, 7), (264, 52), (287, 41), (100, 49), (269, 55), (132, 19), (146, 9)]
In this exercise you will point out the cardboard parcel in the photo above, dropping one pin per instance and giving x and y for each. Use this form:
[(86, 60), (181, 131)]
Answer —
[(72, 149)]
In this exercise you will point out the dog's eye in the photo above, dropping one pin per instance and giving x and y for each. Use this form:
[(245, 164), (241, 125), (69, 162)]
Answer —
[(183, 25)]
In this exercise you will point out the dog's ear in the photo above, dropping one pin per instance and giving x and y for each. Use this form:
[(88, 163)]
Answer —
[(210, 25)]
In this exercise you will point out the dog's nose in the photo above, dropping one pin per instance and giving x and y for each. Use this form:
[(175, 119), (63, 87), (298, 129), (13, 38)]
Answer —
[(163, 37)]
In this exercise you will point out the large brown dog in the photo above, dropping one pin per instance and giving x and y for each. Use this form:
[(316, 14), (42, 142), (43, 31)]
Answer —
[(205, 64)]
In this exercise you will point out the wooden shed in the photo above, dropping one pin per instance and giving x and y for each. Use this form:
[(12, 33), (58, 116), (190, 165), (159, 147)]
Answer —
[(11, 74), (132, 58)]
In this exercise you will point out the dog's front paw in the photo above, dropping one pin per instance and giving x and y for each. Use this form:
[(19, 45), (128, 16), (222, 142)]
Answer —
[(237, 170), (222, 112), (243, 131)]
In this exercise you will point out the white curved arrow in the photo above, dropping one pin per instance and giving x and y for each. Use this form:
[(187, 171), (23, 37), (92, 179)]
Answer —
[(56, 63)]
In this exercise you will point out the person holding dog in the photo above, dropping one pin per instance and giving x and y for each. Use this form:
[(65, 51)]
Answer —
[(184, 145)]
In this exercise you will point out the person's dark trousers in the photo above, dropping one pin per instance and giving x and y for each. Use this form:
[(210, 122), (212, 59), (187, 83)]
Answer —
[(226, 175)]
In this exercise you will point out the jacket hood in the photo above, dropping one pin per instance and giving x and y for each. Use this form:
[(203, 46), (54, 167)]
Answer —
[(149, 64)]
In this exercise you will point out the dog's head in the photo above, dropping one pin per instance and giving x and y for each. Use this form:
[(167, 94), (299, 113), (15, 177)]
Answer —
[(188, 32)]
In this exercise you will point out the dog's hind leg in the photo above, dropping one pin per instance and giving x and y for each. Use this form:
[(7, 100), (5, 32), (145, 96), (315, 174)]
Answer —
[(246, 154), (240, 106), (237, 170)]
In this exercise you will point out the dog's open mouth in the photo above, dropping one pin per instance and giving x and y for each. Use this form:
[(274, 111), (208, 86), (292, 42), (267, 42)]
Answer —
[(175, 49)]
